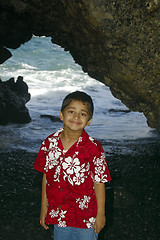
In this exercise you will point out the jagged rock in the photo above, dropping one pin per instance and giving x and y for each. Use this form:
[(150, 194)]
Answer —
[(4, 54), (52, 118), (13, 97), (115, 42), (112, 110)]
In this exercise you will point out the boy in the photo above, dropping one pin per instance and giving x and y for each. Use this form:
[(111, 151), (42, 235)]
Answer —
[(74, 172)]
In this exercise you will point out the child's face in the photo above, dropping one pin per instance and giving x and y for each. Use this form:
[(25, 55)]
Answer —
[(76, 116)]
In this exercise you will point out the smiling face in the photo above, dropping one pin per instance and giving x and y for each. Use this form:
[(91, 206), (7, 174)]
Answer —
[(76, 116)]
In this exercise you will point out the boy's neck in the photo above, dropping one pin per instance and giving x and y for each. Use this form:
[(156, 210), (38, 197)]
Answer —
[(68, 137)]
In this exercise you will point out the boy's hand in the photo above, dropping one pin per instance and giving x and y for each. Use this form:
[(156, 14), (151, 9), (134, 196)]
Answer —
[(100, 196), (99, 223), (44, 204), (43, 220)]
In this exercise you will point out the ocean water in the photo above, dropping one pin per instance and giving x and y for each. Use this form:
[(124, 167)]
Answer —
[(51, 74)]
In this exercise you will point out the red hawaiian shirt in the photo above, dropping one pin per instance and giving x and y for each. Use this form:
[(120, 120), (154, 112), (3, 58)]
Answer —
[(70, 179)]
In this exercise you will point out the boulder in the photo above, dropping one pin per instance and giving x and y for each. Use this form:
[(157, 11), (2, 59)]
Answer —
[(115, 42), (13, 97), (52, 118)]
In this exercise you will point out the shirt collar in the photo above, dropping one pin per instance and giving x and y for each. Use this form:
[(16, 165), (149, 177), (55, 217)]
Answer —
[(82, 139)]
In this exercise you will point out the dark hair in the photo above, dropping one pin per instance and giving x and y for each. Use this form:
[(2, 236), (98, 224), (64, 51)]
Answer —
[(79, 96)]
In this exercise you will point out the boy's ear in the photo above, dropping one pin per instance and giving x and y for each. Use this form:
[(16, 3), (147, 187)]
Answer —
[(61, 116), (89, 121)]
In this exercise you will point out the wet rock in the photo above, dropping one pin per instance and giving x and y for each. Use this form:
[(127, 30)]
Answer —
[(13, 97), (123, 198), (112, 110), (52, 118)]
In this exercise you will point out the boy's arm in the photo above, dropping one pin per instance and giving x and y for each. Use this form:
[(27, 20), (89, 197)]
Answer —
[(100, 196), (44, 204)]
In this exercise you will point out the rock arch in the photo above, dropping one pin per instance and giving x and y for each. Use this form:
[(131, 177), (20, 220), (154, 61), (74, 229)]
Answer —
[(115, 42)]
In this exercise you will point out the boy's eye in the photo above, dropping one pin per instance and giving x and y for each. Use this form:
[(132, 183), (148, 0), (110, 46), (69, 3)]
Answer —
[(83, 114), (71, 112)]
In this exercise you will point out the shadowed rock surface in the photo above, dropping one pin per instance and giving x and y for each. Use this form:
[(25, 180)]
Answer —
[(13, 97), (115, 42)]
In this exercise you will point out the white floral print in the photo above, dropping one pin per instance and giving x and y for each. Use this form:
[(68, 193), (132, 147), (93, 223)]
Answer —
[(74, 172), (54, 213), (62, 224), (59, 213), (79, 178), (99, 161), (43, 147), (71, 165), (90, 222), (92, 140), (57, 173), (100, 168), (83, 203), (54, 153)]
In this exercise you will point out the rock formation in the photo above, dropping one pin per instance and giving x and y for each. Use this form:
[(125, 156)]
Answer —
[(13, 97), (115, 42)]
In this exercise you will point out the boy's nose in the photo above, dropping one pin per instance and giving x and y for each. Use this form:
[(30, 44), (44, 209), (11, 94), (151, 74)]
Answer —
[(76, 116)]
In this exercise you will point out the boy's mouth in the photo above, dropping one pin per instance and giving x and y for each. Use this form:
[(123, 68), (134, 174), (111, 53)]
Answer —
[(74, 122)]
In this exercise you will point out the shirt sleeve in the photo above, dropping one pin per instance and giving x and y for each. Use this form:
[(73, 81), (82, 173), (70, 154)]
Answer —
[(99, 167), (40, 162)]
